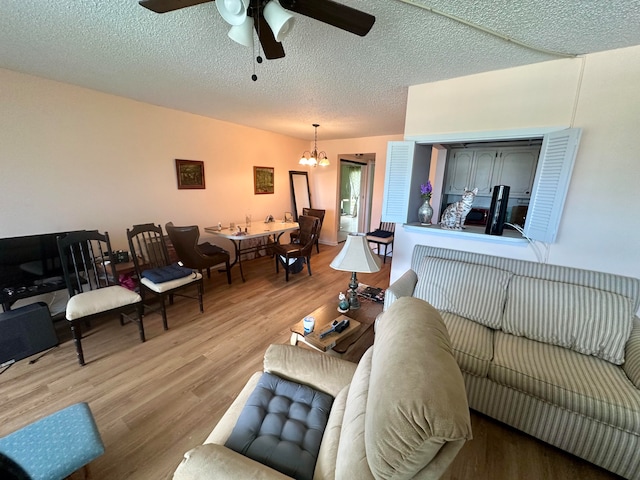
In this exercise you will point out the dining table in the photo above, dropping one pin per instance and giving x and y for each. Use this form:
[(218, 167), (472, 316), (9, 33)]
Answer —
[(271, 231)]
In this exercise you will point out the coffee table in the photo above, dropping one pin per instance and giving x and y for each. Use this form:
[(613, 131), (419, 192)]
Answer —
[(361, 323)]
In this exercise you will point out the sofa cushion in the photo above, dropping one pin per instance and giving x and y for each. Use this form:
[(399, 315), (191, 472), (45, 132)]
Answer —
[(472, 291), (281, 426), (416, 399), (631, 364), (587, 320), (578, 383), (472, 344), (351, 461)]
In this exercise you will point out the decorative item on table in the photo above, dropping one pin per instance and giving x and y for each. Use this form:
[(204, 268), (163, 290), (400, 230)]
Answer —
[(356, 257), (219, 226), (455, 214), (372, 293), (343, 303), (308, 323), (425, 212), (269, 219), (288, 217), (247, 220)]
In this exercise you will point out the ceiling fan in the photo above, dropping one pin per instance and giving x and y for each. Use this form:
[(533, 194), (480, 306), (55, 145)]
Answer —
[(326, 11)]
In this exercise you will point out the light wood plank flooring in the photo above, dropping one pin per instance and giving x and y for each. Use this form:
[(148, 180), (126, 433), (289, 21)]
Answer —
[(153, 401)]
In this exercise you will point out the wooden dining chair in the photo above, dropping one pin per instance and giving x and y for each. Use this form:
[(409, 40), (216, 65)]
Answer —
[(314, 212), (92, 282), (159, 279), (383, 235), (303, 248)]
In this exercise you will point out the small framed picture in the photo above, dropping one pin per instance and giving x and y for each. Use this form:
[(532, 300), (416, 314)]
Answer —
[(263, 180), (190, 174), (288, 217)]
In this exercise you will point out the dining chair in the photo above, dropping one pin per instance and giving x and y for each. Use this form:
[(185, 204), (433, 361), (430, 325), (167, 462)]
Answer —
[(92, 283), (159, 278), (197, 256), (302, 248), (383, 235), (314, 212)]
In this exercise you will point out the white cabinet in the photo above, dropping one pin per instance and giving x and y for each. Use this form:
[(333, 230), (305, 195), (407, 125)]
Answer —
[(483, 168), (516, 167)]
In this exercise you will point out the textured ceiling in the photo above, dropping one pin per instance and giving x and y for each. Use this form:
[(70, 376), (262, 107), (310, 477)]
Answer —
[(352, 86)]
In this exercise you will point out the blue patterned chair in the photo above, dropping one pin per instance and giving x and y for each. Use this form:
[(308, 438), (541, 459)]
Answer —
[(57, 445)]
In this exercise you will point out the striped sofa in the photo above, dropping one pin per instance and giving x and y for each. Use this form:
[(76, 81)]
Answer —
[(553, 351)]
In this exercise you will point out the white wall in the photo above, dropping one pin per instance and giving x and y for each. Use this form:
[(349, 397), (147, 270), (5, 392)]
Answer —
[(600, 225), (74, 158)]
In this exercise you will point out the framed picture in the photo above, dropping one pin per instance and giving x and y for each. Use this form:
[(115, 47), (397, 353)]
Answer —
[(190, 174), (262, 180)]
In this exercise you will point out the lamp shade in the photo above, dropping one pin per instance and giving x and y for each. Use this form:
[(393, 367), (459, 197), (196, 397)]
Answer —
[(242, 34), (234, 12), (356, 256), (280, 21)]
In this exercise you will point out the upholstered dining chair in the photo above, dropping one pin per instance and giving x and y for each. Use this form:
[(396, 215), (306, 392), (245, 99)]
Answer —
[(309, 228), (93, 285), (383, 235), (314, 212), (197, 256), (158, 278)]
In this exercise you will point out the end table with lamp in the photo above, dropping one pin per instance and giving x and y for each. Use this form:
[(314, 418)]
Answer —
[(356, 257)]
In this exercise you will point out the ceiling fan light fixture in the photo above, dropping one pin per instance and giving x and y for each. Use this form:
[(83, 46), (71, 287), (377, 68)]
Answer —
[(280, 21), (243, 33), (315, 158), (234, 12)]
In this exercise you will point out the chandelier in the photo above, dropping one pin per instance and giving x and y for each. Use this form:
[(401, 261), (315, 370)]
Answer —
[(315, 158)]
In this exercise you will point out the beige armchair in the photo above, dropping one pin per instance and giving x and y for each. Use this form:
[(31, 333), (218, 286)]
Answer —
[(401, 412)]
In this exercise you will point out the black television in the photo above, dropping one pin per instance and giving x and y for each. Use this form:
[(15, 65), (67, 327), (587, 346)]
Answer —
[(29, 266)]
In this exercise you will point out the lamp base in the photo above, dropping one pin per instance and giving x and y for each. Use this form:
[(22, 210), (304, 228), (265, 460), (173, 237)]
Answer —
[(354, 303)]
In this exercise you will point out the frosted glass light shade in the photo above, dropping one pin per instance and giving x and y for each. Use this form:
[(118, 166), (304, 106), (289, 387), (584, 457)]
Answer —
[(234, 12), (243, 33), (278, 19)]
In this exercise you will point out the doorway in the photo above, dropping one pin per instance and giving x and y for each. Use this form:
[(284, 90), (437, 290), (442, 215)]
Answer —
[(355, 193)]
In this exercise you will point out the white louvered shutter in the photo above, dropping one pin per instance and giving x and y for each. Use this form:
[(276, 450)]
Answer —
[(551, 183), (400, 156)]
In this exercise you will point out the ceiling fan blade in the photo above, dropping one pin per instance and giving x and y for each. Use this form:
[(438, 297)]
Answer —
[(336, 14), (164, 6), (272, 48)]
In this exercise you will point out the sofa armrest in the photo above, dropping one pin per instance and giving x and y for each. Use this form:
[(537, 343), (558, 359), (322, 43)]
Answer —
[(631, 365), (318, 370), (219, 462), (402, 287)]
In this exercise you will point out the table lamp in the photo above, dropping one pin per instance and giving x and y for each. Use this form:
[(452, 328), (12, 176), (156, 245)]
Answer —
[(356, 257)]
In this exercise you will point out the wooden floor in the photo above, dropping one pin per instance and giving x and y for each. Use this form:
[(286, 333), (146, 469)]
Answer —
[(153, 401)]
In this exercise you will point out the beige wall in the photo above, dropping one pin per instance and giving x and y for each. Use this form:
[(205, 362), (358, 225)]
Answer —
[(599, 229), (75, 158), (325, 185)]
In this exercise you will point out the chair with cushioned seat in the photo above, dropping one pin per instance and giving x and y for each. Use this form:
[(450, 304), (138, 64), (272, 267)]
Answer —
[(203, 256), (383, 235), (93, 285), (55, 446), (309, 228), (314, 212), (149, 251)]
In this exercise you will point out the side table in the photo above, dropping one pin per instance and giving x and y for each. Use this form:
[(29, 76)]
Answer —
[(362, 321)]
